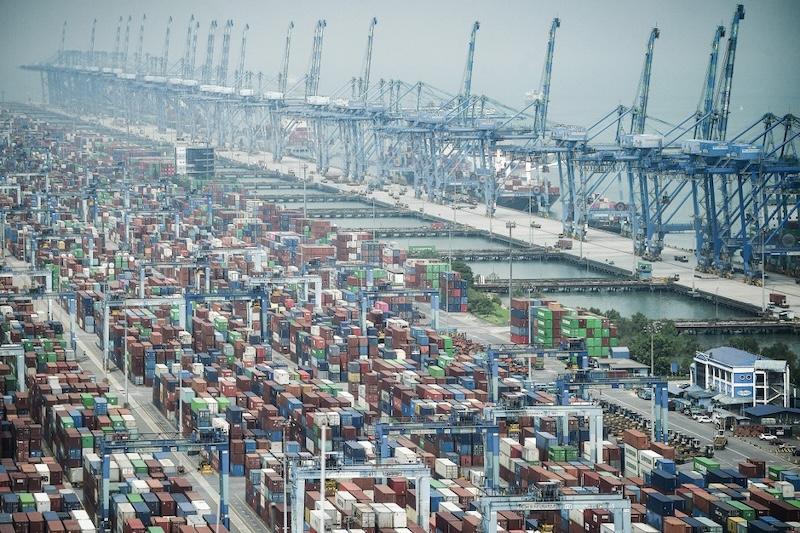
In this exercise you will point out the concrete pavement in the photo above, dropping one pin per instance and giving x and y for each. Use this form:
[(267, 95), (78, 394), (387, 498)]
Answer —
[(737, 450)]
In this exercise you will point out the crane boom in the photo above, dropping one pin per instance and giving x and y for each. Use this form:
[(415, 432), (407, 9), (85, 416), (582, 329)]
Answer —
[(165, 54), (467, 87), (706, 107), (368, 59), (193, 55), (639, 113), (312, 80), (124, 64), (723, 97), (209, 53), (63, 42), (547, 72), (186, 50), (90, 59), (222, 70), (140, 46), (242, 52), (282, 75), (115, 57)]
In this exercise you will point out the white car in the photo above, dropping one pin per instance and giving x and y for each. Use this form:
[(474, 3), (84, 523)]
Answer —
[(767, 437), (704, 419)]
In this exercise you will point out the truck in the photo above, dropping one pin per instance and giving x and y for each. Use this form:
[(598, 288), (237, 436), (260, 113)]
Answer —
[(778, 299)]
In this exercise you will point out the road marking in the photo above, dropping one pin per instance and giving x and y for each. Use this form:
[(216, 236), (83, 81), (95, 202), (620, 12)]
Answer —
[(757, 449)]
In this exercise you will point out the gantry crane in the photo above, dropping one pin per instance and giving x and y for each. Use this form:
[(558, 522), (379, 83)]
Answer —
[(90, 55), (368, 61), (185, 62), (165, 53), (466, 90), (139, 66), (49, 296), (243, 50), (369, 292), (639, 108), (706, 107), (124, 62), (208, 65), (163, 443), (191, 73), (284, 72), (549, 497), (222, 69), (540, 124), (593, 413), (117, 35), (419, 473), (453, 426), (723, 96), (518, 351), (312, 78), (583, 380), (63, 43)]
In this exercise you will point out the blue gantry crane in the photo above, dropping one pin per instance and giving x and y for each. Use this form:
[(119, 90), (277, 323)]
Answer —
[(582, 380), (163, 443)]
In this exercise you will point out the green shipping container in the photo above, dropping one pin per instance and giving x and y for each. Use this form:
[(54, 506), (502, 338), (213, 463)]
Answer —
[(703, 464), (774, 472)]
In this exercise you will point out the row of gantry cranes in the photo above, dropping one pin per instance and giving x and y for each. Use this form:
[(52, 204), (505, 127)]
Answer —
[(737, 194)]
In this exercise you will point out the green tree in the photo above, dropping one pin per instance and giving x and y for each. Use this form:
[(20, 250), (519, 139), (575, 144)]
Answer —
[(782, 352), (748, 344), (465, 270)]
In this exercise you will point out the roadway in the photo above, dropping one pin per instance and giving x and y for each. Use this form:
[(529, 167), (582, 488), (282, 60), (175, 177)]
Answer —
[(599, 246), (738, 449), (150, 420)]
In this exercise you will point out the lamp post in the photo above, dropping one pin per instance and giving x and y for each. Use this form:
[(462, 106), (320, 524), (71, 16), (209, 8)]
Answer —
[(287, 424), (125, 361), (510, 225), (305, 215), (653, 328), (530, 218), (763, 277)]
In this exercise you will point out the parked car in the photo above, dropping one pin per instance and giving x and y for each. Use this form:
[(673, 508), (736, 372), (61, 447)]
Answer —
[(767, 437), (704, 419)]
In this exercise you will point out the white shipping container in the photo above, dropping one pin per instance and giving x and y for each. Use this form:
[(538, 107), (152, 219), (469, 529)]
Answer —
[(79, 514), (345, 501), (607, 528), (787, 489), (87, 526), (445, 468), (383, 516), (42, 502), (281, 376), (640, 527), (404, 456), (364, 515), (576, 515), (400, 519)]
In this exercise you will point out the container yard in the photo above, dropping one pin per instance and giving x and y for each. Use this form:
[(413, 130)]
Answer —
[(387, 310)]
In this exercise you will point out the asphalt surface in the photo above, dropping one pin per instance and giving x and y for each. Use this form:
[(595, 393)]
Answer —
[(150, 420), (737, 451)]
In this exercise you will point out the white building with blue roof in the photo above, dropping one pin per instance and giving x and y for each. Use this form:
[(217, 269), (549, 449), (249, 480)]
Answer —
[(741, 379)]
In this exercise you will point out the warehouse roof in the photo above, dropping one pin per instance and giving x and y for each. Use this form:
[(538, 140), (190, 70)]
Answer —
[(725, 355), (698, 393), (769, 410)]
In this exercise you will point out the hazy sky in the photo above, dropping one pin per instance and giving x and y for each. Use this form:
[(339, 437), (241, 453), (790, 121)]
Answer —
[(598, 57)]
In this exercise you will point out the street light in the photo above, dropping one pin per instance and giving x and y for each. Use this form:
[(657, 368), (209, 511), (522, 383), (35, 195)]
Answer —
[(510, 225), (763, 277), (652, 328), (304, 190)]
